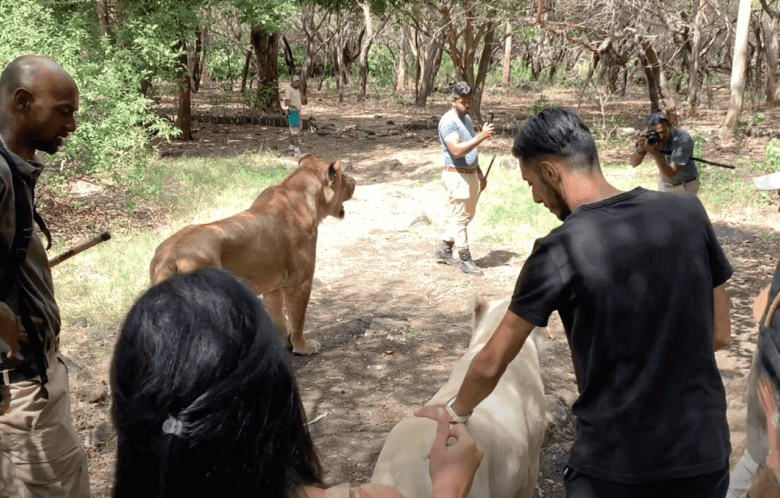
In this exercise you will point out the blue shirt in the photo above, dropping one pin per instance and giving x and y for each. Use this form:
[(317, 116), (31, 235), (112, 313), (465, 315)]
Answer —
[(451, 124)]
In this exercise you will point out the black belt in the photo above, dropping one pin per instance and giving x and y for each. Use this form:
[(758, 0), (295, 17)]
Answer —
[(678, 184)]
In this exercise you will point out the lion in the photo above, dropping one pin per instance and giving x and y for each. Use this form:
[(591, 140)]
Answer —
[(272, 246), (508, 426)]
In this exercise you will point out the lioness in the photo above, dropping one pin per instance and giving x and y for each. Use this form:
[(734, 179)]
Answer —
[(508, 426), (272, 245)]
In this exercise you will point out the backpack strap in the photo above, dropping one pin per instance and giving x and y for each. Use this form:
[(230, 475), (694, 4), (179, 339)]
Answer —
[(19, 246)]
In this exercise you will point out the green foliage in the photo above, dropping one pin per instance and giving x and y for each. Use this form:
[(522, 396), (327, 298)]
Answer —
[(541, 104), (114, 120), (381, 65), (773, 155)]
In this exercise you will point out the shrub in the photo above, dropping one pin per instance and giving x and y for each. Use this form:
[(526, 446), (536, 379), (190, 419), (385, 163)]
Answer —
[(114, 119)]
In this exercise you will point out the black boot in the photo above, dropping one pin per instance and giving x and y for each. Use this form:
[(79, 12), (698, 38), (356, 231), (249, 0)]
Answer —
[(467, 264), (444, 253)]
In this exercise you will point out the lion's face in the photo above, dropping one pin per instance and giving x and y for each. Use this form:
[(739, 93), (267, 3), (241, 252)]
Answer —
[(338, 186)]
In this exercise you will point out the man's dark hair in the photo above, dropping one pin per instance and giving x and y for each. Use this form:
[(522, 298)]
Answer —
[(656, 117), (201, 348), (457, 89), (558, 133)]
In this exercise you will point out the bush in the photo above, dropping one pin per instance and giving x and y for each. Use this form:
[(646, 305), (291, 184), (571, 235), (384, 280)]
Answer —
[(773, 155), (114, 119)]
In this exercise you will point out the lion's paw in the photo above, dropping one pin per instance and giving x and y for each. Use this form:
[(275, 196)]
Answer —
[(309, 347)]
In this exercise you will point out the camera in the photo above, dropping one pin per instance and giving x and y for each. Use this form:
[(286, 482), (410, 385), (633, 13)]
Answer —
[(652, 138)]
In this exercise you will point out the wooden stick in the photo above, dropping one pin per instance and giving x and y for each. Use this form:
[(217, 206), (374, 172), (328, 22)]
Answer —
[(486, 175), (79, 248)]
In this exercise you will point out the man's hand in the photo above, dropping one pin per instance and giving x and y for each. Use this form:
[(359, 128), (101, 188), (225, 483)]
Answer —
[(487, 132), (11, 329), (452, 468), (482, 179)]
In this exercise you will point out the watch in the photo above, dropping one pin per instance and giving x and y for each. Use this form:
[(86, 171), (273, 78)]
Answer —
[(458, 419)]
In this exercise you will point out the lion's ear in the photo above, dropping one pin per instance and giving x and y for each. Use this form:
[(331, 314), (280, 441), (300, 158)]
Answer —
[(334, 169)]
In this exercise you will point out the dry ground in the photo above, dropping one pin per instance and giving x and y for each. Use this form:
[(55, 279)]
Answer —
[(392, 321)]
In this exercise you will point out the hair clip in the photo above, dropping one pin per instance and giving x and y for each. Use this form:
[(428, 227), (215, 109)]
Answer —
[(173, 426)]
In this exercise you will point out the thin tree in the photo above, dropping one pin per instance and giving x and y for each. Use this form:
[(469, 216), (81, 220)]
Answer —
[(738, 69)]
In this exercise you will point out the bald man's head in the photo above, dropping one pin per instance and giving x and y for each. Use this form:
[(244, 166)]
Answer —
[(39, 98)]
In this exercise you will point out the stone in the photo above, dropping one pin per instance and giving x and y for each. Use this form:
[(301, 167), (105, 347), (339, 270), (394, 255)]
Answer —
[(423, 219)]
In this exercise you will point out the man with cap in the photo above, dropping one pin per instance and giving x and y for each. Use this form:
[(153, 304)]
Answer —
[(462, 176), (40, 452), (756, 471), (292, 107), (672, 154)]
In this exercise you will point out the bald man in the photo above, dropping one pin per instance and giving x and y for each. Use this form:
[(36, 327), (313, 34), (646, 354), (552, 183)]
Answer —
[(40, 452)]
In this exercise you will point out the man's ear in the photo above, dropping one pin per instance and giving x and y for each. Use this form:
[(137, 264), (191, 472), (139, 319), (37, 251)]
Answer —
[(550, 172), (22, 99)]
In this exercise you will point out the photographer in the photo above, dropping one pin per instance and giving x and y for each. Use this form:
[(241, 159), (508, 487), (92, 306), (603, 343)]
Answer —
[(672, 149)]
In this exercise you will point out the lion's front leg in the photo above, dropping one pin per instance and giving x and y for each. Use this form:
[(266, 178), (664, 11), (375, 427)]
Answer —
[(274, 306), (296, 300)]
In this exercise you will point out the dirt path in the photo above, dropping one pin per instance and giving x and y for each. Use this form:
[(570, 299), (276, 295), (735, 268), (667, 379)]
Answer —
[(392, 320)]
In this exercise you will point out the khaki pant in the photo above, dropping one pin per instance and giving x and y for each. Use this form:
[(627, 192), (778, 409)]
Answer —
[(691, 187), (40, 452), (462, 190)]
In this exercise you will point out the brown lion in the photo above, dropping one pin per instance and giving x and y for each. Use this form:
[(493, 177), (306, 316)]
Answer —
[(272, 245)]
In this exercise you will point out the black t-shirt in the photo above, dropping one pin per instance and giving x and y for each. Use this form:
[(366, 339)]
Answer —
[(632, 279)]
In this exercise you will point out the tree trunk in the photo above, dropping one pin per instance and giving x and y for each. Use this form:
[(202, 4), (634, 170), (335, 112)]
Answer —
[(247, 60), (365, 46), (197, 65), (479, 81), (694, 84), (652, 86), (341, 77), (758, 71), (668, 101), (288, 56), (738, 69), (772, 53), (184, 117), (266, 47), (400, 75), (103, 16), (429, 60), (506, 70)]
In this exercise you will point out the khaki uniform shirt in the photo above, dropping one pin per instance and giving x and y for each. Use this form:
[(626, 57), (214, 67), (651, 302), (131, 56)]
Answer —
[(33, 279)]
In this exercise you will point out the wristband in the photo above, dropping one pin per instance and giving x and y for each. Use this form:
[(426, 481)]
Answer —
[(458, 419)]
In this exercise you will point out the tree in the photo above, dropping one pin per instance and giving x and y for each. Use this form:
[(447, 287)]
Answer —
[(772, 53), (506, 70), (738, 69), (694, 83), (467, 25)]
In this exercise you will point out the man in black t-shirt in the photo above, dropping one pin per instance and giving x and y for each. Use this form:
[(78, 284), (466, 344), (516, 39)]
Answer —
[(641, 294)]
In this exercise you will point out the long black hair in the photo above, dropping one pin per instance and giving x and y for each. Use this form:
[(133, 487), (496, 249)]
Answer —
[(202, 399)]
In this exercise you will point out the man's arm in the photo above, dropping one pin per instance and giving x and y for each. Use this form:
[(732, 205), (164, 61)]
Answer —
[(665, 168), (639, 152), (459, 149), (721, 329)]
